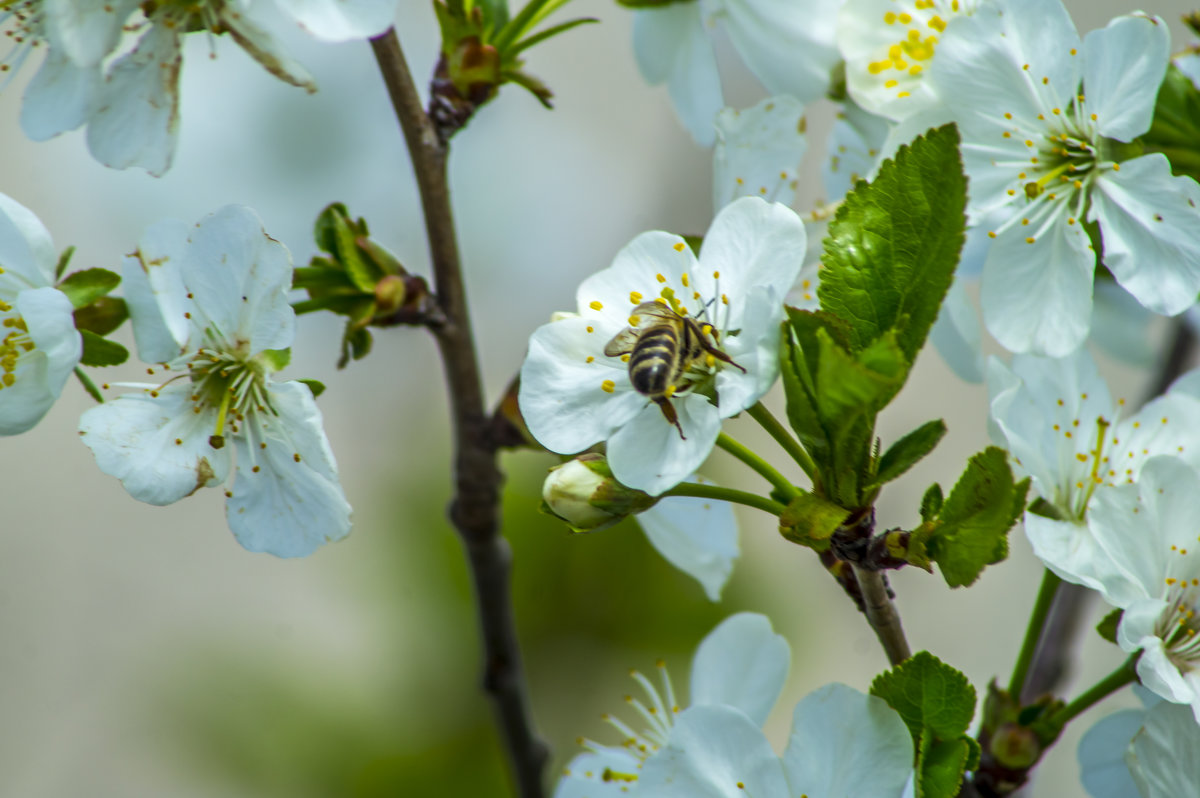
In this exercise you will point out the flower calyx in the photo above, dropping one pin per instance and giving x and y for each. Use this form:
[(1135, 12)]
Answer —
[(583, 494), (96, 313), (481, 48), (361, 280), (1013, 737)]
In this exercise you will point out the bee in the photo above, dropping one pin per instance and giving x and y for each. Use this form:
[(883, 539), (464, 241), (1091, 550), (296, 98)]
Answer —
[(663, 346)]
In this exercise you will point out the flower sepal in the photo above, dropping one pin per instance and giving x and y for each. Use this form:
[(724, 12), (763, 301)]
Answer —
[(584, 495)]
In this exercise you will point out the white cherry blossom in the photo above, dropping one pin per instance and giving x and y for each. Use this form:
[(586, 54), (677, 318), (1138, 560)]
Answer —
[(758, 151), (1044, 156), (39, 346), (742, 664), (698, 536), (787, 44), (843, 743), (209, 305), (573, 395), (1062, 427)]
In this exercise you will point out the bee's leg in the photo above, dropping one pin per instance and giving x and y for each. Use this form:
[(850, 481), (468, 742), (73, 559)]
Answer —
[(668, 411), (721, 356)]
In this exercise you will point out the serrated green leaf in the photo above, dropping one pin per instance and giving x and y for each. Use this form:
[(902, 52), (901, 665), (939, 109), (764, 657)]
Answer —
[(102, 316), (941, 767), (98, 351), (85, 287), (893, 246), (316, 386), (810, 521), (975, 519), (931, 502), (929, 695), (910, 449), (1107, 628)]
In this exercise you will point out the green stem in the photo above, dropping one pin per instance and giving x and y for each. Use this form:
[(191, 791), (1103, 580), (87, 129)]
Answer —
[(1033, 632), (768, 472), (732, 495), (767, 421), (1100, 690), (88, 385)]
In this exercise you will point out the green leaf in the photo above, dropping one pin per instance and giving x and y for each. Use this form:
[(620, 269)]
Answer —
[(361, 271), (894, 244), (1107, 628), (907, 451), (324, 228), (277, 359), (1175, 131), (63, 260), (928, 694), (85, 287), (941, 767), (548, 33), (810, 521), (98, 351), (316, 386), (102, 316), (931, 502), (973, 524)]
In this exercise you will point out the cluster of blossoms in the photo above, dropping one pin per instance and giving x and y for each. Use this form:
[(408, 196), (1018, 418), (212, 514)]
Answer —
[(115, 66)]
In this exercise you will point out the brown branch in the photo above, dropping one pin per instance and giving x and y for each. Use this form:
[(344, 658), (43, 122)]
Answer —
[(881, 614), (474, 508)]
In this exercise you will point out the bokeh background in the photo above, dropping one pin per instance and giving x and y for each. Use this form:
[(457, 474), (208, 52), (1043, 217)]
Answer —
[(143, 652)]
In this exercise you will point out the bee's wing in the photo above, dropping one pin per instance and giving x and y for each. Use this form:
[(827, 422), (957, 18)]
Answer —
[(656, 310), (621, 343)]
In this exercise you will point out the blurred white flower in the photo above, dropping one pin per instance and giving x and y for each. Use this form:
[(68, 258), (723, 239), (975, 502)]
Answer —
[(722, 311), (39, 346), (1063, 429), (758, 151), (787, 44), (698, 536), (717, 751), (742, 664), (1043, 158), (209, 303)]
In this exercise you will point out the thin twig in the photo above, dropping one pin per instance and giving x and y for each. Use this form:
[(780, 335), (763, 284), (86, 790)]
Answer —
[(1050, 662), (474, 508), (881, 614)]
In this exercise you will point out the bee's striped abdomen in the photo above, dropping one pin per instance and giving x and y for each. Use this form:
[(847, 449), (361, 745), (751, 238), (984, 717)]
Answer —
[(652, 363)]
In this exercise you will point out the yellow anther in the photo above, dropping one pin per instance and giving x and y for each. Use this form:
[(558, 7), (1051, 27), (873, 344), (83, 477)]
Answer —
[(679, 246), (608, 386), (596, 305), (660, 278), (635, 297), (684, 280)]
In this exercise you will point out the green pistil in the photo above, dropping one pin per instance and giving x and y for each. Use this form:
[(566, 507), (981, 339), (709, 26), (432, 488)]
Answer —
[(234, 386)]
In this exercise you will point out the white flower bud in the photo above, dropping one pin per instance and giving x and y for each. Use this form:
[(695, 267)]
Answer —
[(584, 494)]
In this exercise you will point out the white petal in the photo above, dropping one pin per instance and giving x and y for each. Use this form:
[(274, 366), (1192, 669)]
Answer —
[(633, 278), (1165, 761), (1189, 64), (152, 281), (258, 42), (1158, 673), (27, 254), (86, 29), (60, 97), (648, 453), (562, 396), (240, 277), (751, 243), (341, 20), (756, 349), (853, 149), (1038, 297), (1069, 550), (672, 46), (714, 752), (40, 374), (1168, 424), (758, 151), (1148, 220), (845, 743), (741, 664), (137, 120), (958, 336), (1101, 755), (1121, 326), (293, 502), (788, 44), (1124, 65), (595, 775), (134, 439), (698, 536)]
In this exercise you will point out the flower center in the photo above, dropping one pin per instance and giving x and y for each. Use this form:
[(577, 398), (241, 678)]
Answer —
[(1178, 626), (188, 16), (21, 22), (233, 385), (658, 712), (909, 55), (15, 343)]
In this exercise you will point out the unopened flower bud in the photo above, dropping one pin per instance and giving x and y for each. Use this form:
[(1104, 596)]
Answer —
[(584, 495), (390, 293), (1015, 746)]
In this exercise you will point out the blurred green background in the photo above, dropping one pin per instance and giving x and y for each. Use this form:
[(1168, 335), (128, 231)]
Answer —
[(145, 653)]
